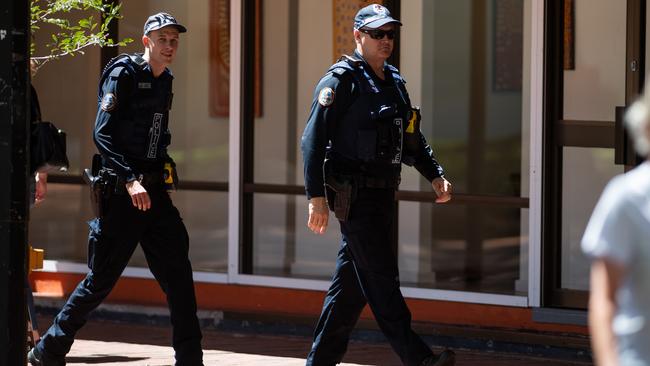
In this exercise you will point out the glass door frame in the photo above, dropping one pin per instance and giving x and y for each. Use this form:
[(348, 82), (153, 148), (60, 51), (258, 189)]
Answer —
[(559, 133)]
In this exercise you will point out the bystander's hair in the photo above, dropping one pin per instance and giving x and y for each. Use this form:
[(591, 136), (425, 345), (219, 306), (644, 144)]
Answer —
[(637, 120)]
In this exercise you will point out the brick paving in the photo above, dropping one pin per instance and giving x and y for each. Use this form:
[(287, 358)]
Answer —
[(102, 343)]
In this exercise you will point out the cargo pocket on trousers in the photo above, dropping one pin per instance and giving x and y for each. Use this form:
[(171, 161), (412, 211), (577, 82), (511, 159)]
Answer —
[(96, 250)]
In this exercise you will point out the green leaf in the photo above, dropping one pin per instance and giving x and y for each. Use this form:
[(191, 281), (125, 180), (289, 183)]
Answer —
[(74, 34)]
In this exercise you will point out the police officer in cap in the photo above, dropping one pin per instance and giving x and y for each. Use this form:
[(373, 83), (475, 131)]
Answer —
[(361, 128), (131, 134)]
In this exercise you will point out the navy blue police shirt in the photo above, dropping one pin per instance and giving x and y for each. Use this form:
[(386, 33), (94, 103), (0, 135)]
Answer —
[(131, 127), (322, 124)]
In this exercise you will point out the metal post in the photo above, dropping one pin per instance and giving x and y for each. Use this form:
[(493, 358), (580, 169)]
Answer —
[(14, 158)]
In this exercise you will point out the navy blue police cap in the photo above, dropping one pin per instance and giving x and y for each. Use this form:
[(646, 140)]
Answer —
[(162, 20), (373, 16)]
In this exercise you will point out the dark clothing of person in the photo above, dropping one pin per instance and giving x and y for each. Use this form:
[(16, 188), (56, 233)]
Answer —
[(35, 106), (131, 128), (34, 118), (359, 129), (135, 113), (348, 126)]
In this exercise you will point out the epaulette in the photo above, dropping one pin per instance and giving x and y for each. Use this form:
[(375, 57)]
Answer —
[(127, 60), (115, 60), (338, 70), (351, 60), (344, 64), (396, 74), (116, 66), (138, 60)]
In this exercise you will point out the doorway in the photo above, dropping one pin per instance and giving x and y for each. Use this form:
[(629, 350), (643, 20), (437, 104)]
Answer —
[(595, 65)]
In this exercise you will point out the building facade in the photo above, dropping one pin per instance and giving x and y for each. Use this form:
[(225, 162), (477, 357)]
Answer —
[(519, 100)]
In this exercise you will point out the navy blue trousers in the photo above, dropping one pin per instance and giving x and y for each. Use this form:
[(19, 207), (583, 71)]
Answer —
[(111, 243), (366, 272)]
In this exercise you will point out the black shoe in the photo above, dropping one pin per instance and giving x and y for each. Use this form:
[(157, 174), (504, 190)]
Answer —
[(33, 358), (445, 358)]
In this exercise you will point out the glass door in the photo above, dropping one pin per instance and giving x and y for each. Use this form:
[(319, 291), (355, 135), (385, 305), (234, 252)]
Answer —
[(595, 64)]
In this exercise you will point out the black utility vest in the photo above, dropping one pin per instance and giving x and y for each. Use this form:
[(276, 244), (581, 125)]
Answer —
[(142, 130), (371, 131)]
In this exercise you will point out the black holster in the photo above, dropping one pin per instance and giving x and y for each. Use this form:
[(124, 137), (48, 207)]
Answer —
[(103, 183), (340, 191), (96, 192)]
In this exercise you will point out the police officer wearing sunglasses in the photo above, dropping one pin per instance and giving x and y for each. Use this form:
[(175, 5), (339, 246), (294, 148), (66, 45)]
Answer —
[(361, 128), (132, 135)]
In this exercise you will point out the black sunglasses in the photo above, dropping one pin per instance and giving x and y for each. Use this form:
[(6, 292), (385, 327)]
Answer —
[(378, 33)]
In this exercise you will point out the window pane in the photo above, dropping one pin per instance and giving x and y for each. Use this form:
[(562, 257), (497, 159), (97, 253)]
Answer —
[(452, 55), (67, 92), (585, 173), (463, 61), (464, 248), (60, 227), (205, 215), (289, 67), (596, 85), (59, 224), (199, 133), (284, 246)]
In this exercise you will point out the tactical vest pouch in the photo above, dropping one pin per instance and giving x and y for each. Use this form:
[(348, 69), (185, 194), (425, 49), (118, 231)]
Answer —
[(412, 131), (170, 176)]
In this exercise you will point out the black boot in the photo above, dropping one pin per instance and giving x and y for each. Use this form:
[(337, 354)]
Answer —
[(33, 358), (445, 358)]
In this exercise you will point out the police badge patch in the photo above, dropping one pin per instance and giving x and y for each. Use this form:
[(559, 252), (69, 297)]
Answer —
[(379, 10), (326, 97), (109, 101)]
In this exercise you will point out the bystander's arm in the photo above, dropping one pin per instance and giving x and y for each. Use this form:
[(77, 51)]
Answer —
[(41, 187), (606, 277)]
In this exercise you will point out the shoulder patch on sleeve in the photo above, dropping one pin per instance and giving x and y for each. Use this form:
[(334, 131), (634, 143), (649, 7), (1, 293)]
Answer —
[(109, 102), (326, 97)]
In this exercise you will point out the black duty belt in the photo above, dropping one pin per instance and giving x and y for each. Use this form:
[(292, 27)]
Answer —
[(149, 180), (378, 182), (118, 184)]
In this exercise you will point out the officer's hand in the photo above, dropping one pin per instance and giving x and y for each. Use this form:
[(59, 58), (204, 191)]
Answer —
[(139, 195), (318, 215), (442, 188)]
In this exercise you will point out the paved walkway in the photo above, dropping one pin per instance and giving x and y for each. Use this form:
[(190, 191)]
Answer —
[(102, 343)]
